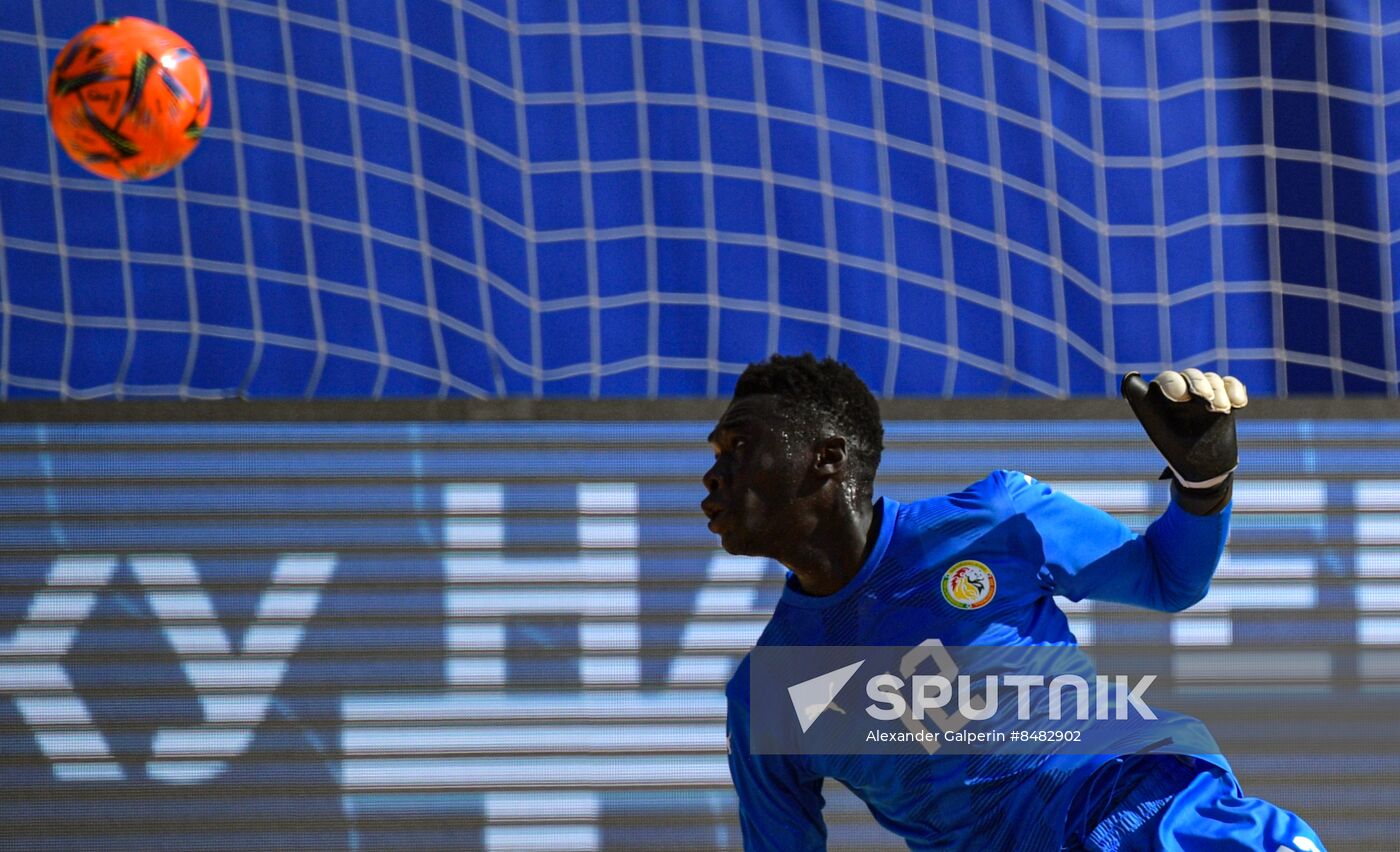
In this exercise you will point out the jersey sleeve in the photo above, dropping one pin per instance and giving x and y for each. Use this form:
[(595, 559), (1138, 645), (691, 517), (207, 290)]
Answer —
[(1089, 554), (780, 804)]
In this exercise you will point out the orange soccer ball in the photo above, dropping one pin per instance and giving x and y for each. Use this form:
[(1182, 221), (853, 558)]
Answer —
[(128, 99)]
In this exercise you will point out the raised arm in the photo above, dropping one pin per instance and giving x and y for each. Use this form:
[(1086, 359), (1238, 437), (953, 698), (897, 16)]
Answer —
[(1088, 554)]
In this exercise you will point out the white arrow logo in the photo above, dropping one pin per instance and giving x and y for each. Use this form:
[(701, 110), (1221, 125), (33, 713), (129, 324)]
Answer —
[(810, 698)]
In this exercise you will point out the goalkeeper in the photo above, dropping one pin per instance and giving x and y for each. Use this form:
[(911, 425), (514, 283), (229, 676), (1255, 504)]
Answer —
[(795, 459)]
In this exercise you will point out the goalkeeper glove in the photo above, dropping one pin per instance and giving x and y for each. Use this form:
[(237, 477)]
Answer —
[(1188, 417)]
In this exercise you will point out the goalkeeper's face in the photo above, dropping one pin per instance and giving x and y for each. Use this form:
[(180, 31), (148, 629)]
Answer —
[(762, 493)]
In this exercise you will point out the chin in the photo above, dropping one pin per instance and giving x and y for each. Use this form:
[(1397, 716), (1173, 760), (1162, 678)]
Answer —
[(738, 546)]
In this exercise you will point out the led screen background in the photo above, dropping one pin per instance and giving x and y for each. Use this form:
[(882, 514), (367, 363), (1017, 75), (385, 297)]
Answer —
[(373, 635)]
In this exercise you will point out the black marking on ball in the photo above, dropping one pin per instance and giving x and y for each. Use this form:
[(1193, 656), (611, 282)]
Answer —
[(139, 73), (176, 89), (68, 85), (122, 145), (65, 60)]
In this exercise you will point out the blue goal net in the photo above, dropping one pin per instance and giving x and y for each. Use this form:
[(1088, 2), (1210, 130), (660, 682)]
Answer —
[(613, 198)]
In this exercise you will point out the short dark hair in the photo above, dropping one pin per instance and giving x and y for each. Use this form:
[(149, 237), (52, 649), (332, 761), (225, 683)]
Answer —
[(823, 394)]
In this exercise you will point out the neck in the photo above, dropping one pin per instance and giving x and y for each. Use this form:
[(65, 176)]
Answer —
[(831, 556)]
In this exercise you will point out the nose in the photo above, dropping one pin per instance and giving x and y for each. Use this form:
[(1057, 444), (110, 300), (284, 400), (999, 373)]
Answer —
[(711, 478)]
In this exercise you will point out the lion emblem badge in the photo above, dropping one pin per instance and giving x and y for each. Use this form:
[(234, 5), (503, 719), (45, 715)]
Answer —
[(969, 585)]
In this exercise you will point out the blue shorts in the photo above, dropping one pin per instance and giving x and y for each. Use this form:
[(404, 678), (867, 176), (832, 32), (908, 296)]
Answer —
[(1173, 802)]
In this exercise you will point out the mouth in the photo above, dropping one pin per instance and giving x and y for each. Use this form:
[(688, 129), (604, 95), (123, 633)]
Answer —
[(715, 515)]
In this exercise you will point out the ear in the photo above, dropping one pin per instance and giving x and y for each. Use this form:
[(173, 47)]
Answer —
[(831, 456)]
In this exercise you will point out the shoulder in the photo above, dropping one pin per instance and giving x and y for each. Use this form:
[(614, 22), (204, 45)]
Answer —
[(986, 494), (1020, 489), (997, 496), (1000, 484)]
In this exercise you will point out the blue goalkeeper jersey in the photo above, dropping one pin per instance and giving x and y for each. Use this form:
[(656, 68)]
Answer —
[(1035, 543)]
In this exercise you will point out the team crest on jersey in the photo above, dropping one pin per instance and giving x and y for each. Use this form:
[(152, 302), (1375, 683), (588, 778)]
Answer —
[(969, 585)]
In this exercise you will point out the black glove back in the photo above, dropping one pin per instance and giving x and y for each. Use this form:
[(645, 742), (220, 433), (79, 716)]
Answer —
[(1196, 438)]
